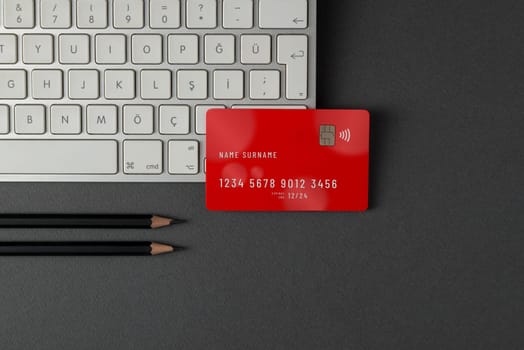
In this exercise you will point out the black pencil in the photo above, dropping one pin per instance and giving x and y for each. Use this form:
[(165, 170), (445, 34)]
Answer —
[(84, 248), (84, 221)]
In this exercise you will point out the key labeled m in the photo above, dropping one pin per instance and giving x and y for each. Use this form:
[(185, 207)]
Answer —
[(101, 119)]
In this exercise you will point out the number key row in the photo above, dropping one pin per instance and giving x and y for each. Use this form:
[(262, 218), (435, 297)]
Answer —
[(164, 14)]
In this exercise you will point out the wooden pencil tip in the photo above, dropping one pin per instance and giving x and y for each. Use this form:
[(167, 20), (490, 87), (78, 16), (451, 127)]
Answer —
[(159, 248), (161, 221)]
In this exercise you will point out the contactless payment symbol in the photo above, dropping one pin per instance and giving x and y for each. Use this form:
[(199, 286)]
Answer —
[(345, 135), (327, 135)]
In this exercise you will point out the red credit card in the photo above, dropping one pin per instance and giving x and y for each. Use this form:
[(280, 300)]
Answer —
[(287, 160)]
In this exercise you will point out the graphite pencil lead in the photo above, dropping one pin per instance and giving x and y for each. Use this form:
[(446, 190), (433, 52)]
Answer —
[(177, 248), (178, 221)]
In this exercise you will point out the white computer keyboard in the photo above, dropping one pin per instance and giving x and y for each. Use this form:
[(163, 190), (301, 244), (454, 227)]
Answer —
[(118, 90)]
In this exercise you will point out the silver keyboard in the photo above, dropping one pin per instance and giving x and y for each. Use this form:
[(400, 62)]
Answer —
[(118, 90)]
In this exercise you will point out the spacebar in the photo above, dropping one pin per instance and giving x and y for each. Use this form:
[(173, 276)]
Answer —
[(58, 157)]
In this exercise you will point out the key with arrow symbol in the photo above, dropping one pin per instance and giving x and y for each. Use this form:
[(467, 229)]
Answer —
[(299, 54)]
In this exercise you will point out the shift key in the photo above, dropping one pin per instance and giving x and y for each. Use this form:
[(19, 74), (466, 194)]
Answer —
[(58, 157)]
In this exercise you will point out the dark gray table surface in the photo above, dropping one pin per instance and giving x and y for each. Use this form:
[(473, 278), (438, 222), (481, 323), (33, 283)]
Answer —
[(435, 264)]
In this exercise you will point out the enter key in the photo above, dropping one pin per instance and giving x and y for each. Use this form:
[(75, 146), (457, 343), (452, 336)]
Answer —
[(293, 52)]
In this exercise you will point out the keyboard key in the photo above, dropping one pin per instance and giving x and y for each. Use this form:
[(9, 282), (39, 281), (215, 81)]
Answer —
[(47, 84), (13, 84), (174, 120), (19, 13), (293, 52), (38, 49), (83, 84), (200, 117), (74, 49), (192, 84), (201, 14), (220, 49), (120, 84), (102, 120), (138, 120), (66, 119), (110, 49), (146, 49), (91, 14), (55, 14), (279, 14), (58, 157), (238, 14), (264, 85), (29, 119), (183, 49), (4, 119), (164, 14), (155, 84), (143, 157), (8, 49), (128, 14), (183, 157), (228, 84), (255, 49)]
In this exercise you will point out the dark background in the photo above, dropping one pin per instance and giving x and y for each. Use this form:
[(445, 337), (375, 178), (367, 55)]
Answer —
[(437, 263)]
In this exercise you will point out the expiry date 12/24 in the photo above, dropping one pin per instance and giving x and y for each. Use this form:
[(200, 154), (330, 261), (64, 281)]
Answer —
[(283, 184)]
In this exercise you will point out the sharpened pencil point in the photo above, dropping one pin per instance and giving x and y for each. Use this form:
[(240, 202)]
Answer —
[(161, 221), (159, 248), (178, 221)]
